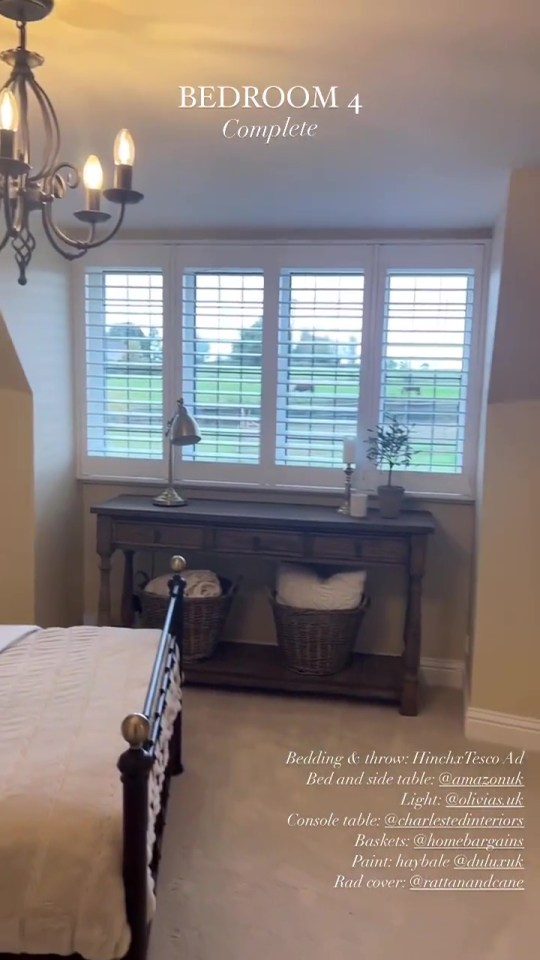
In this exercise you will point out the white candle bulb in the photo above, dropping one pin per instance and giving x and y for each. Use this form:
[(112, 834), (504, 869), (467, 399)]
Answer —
[(9, 111), (93, 173), (124, 148)]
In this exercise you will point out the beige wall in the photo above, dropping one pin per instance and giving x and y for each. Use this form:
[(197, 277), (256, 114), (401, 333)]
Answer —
[(494, 283), (38, 319), (447, 585), (506, 662), (17, 515), (505, 669)]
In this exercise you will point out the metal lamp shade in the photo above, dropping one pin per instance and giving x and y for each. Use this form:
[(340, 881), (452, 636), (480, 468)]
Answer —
[(182, 431)]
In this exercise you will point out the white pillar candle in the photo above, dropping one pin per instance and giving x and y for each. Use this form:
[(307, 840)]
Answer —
[(349, 450), (358, 504)]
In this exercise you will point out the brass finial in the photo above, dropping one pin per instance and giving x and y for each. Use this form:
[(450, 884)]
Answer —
[(178, 564), (136, 729)]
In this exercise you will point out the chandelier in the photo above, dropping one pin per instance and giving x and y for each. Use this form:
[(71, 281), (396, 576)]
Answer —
[(27, 187)]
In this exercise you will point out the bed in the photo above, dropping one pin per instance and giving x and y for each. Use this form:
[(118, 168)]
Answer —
[(83, 792)]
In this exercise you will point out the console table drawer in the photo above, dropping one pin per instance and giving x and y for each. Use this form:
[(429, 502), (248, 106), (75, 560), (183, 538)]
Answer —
[(180, 537), (134, 534), (288, 544), (264, 541), (140, 535), (383, 550), (367, 549), (340, 548)]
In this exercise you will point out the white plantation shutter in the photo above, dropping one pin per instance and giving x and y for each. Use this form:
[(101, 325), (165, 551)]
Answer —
[(124, 379), (320, 332), (280, 351), (426, 362), (222, 353)]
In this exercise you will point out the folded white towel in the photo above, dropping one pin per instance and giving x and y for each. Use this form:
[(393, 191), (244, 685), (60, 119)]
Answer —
[(302, 587), (199, 583)]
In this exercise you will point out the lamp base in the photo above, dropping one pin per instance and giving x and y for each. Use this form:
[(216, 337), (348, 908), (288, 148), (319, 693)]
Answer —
[(169, 498)]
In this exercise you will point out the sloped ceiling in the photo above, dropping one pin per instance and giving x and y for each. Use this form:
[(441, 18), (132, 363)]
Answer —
[(450, 93)]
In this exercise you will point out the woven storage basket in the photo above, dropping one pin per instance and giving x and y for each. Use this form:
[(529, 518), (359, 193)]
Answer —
[(204, 618), (317, 642)]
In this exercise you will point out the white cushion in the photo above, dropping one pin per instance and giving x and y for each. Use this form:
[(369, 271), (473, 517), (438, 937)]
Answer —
[(302, 587)]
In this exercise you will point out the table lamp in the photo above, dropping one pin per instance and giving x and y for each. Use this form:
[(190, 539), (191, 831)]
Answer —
[(182, 431)]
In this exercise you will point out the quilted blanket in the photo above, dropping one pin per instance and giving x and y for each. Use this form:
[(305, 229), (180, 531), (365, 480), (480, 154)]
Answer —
[(63, 695)]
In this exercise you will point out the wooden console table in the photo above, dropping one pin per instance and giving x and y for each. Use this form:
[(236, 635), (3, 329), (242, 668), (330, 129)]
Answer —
[(294, 533)]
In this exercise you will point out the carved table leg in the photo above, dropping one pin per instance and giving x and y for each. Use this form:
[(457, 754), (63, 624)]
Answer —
[(413, 628), (104, 551), (126, 608)]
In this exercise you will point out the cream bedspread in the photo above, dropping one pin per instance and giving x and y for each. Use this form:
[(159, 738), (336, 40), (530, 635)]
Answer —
[(63, 695)]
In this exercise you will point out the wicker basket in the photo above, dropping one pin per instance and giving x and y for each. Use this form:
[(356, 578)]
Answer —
[(204, 618), (317, 642)]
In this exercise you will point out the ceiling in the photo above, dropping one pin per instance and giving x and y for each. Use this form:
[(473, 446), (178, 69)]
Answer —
[(450, 95)]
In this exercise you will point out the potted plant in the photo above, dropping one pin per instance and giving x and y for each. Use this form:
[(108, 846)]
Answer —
[(389, 446)]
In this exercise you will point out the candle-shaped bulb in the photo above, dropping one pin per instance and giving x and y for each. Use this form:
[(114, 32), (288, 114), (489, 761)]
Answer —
[(93, 173), (9, 111), (124, 149)]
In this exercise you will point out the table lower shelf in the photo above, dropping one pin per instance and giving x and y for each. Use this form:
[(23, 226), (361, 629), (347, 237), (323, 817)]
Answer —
[(257, 667)]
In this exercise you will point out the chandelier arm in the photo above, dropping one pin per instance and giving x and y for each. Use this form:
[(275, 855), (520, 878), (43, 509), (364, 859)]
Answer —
[(8, 213), (20, 214), (24, 130), (56, 236), (52, 132), (7, 235), (64, 176), (54, 231), (112, 233)]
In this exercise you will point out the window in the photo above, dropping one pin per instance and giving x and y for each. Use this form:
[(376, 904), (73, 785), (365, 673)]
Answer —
[(222, 353), (319, 366), (281, 351), (124, 371), (425, 371)]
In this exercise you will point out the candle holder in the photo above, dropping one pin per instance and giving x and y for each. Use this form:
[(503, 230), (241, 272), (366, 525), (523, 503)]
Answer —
[(345, 507)]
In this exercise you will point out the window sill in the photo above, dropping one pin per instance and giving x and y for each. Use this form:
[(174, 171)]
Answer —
[(252, 491)]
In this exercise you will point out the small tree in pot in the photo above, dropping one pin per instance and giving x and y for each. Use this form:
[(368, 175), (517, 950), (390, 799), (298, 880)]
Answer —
[(389, 446)]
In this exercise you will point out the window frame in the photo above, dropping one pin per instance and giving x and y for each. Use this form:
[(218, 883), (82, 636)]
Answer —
[(373, 258), (444, 257), (126, 257)]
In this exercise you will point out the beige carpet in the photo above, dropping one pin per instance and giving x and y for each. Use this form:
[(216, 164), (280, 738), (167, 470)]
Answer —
[(237, 883)]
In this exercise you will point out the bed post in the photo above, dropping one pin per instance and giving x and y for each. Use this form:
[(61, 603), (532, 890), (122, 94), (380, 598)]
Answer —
[(178, 565), (134, 766)]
